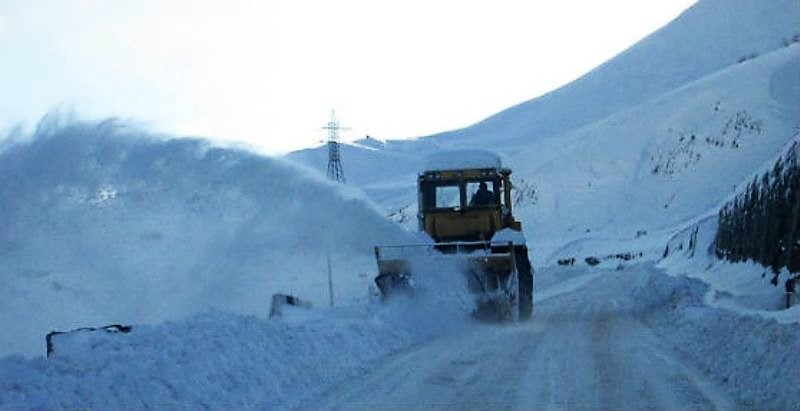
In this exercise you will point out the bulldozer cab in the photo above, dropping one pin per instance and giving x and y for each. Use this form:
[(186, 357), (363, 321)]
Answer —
[(464, 200), (465, 204)]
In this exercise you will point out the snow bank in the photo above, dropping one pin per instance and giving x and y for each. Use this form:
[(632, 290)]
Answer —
[(210, 361), (743, 288), (107, 223), (222, 361), (754, 358)]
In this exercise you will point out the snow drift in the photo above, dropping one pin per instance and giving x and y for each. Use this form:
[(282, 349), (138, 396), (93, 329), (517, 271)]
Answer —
[(213, 361), (107, 223)]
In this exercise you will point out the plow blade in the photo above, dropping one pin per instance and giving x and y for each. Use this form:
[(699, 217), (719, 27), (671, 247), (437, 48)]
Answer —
[(498, 274)]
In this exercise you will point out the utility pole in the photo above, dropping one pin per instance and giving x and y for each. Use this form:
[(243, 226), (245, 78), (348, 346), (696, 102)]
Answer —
[(335, 173), (335, 170), (330, 279)]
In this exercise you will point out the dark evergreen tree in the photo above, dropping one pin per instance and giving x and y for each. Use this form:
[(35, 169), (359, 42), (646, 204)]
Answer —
[(762, 223)]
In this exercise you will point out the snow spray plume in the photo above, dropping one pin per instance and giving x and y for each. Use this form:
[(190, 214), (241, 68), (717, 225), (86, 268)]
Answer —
[(440, 302), (105, 222)]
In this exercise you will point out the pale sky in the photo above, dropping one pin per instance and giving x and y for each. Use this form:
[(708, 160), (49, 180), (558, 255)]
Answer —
[(267, 73)]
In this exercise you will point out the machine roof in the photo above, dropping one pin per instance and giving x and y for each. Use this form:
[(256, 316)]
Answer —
[(461, 160)]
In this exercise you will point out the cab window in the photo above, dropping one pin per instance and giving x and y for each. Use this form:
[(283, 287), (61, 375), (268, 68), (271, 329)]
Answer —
[(482, 193), (448, 196)]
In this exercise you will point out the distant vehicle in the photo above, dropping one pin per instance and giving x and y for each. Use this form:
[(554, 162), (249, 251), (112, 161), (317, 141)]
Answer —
[(464, 200)]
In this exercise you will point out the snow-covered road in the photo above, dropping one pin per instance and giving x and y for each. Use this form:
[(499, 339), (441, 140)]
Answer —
[(600, 339), (591, 349)]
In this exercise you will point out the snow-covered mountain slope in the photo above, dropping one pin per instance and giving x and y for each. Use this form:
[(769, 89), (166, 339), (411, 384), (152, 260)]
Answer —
[(651, 139), (104, 223), (661, 164), (708, 37)]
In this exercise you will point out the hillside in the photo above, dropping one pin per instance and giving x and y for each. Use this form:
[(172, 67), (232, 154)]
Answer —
[(708, 37), (664, 131), (662, 164)]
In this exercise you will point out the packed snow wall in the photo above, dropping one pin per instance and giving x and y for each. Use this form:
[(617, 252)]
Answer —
[(105, 222)]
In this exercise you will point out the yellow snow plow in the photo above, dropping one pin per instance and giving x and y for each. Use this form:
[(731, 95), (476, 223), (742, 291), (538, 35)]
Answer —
[(464, 203)]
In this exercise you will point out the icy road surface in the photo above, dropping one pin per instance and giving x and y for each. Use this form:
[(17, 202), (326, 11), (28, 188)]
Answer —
[(588, 348)]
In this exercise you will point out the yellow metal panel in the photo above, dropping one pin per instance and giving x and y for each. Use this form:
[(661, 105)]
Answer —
[(463, 224)]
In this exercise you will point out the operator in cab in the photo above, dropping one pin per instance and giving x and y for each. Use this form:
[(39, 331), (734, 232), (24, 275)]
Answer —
[(482, 197)]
